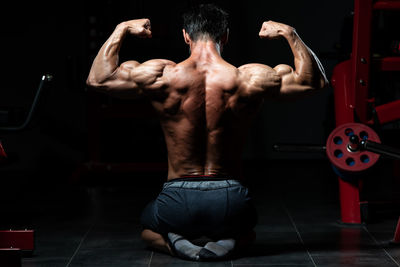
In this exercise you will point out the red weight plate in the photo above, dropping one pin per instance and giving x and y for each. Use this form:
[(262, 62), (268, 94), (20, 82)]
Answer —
[(338, 152)]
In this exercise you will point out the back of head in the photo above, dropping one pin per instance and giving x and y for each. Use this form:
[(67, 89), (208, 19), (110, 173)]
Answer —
[(206, 21)]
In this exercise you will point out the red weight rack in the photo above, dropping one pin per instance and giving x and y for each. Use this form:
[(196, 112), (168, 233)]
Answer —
[(351, 81)]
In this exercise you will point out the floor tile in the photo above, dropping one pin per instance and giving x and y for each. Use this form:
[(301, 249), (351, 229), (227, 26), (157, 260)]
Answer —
[(112, 240), (45, 262), (343, 259), (275, 248), (161, 260), (111, 257)]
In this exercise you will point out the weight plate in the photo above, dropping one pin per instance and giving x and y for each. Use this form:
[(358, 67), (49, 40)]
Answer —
[(345, 155)]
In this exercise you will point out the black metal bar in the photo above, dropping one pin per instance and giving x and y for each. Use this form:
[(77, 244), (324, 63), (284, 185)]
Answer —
[(299, 148), (383, 150), (28, 119)]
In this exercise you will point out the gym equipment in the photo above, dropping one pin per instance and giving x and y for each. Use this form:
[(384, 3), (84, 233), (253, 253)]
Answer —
[(351, 148), (345, 151), (45, 78), (352, 154), (352, 84), (15, 243)]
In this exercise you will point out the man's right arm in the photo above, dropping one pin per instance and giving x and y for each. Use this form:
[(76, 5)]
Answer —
[(283, 80)]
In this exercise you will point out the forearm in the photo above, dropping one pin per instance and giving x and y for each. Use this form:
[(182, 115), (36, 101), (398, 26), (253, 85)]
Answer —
[(106, 61), (308, 68)]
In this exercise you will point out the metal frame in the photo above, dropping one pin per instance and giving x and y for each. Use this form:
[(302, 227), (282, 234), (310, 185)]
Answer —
[(351, 80)]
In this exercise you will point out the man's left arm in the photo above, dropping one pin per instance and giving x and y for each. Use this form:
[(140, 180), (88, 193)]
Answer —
[(130, 78)]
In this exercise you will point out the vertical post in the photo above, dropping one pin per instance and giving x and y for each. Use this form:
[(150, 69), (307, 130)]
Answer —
[(344, 113), (351, 95), (350, 211), (361, 56)]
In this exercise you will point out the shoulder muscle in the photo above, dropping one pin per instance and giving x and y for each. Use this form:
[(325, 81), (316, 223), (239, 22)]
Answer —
[(151, 74), (258, 80)]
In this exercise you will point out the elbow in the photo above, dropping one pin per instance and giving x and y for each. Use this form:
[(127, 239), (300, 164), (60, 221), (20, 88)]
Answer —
[(324, 82), (100, 86), (93, 83), (318, 84), (314, 80), (321, 83)]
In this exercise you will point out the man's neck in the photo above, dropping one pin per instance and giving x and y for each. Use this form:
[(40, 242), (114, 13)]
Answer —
[(205, 51)]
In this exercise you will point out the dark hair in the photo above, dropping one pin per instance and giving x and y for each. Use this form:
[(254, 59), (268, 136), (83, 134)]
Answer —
[(206, 20)]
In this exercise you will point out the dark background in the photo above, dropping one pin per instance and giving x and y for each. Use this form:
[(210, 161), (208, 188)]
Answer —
[(62, 38)]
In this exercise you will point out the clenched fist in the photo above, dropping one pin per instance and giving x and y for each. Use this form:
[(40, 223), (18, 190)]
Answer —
[(138, 27), (274, 30)]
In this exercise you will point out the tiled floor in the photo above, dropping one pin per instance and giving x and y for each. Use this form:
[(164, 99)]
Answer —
[(298, 223)]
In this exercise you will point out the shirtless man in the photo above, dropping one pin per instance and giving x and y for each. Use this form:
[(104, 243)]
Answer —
[(205, 106)]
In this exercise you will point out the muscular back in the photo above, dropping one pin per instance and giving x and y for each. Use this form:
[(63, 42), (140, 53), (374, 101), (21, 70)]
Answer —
[(205, 115), (205, 105)]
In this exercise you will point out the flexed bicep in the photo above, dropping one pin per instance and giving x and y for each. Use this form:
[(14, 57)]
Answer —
[(129, 79), (308, 74), (132, 79), (292, 83)]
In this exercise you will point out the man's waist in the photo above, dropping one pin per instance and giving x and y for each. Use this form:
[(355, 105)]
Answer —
[(201, 177), (202, 182)]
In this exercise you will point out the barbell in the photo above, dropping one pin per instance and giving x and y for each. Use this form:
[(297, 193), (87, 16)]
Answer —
[(351, 148)]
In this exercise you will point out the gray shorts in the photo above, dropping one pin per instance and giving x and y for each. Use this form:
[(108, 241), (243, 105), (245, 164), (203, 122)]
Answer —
[(196, 207)]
